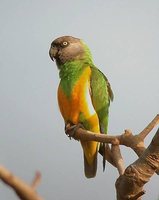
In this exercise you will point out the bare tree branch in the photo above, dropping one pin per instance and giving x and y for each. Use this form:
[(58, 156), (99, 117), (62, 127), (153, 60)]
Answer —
[(22, 189), (135, 142), (130, 184)]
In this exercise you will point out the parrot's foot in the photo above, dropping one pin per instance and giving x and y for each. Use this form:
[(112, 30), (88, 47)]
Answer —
[(70, 129)]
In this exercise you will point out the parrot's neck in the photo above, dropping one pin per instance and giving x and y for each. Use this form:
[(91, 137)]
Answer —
[(72, 69), (70, 74)]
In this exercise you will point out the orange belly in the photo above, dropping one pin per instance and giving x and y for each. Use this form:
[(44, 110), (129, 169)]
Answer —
[(78, 108)]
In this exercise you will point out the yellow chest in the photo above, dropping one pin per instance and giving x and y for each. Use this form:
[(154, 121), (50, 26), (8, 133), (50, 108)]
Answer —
[(79, 103)]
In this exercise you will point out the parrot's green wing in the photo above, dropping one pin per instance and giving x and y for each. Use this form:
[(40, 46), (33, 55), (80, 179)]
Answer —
[(101, 94)]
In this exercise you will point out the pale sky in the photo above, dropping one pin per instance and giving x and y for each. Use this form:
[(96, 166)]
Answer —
[(124, 39)]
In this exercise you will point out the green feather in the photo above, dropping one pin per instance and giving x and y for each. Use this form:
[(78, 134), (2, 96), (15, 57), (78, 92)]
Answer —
[(101, 95)]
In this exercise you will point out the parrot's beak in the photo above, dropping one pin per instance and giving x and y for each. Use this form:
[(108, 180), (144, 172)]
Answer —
[(53, 53)]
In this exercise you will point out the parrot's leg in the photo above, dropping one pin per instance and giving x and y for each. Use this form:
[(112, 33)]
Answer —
[(70, 129)]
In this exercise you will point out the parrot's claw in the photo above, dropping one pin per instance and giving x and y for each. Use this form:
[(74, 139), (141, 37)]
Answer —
[(70, 129)]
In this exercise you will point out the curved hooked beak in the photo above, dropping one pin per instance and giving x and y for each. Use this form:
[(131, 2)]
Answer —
[(53, 53)]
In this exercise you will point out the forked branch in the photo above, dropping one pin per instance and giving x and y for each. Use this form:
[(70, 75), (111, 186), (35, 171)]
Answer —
[(23, 190), (130, 184)]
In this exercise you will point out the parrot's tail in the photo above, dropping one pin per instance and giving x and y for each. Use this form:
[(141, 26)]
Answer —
[(90, 170)]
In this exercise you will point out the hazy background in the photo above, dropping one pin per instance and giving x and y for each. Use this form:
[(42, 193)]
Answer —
[(123, 36)]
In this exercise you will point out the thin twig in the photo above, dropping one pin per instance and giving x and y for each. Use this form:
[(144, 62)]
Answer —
[(36, 180), (149, 127)]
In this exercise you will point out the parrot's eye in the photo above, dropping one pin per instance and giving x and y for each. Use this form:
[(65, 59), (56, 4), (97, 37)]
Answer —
[(65, 43), (52, 45)]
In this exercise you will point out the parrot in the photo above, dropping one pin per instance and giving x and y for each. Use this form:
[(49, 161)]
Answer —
[(84, 94)]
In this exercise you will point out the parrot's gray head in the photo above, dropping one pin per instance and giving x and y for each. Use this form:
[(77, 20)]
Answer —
[(66, 48)]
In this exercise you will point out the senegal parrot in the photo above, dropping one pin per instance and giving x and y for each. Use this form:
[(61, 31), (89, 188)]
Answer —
[(84, 93)]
